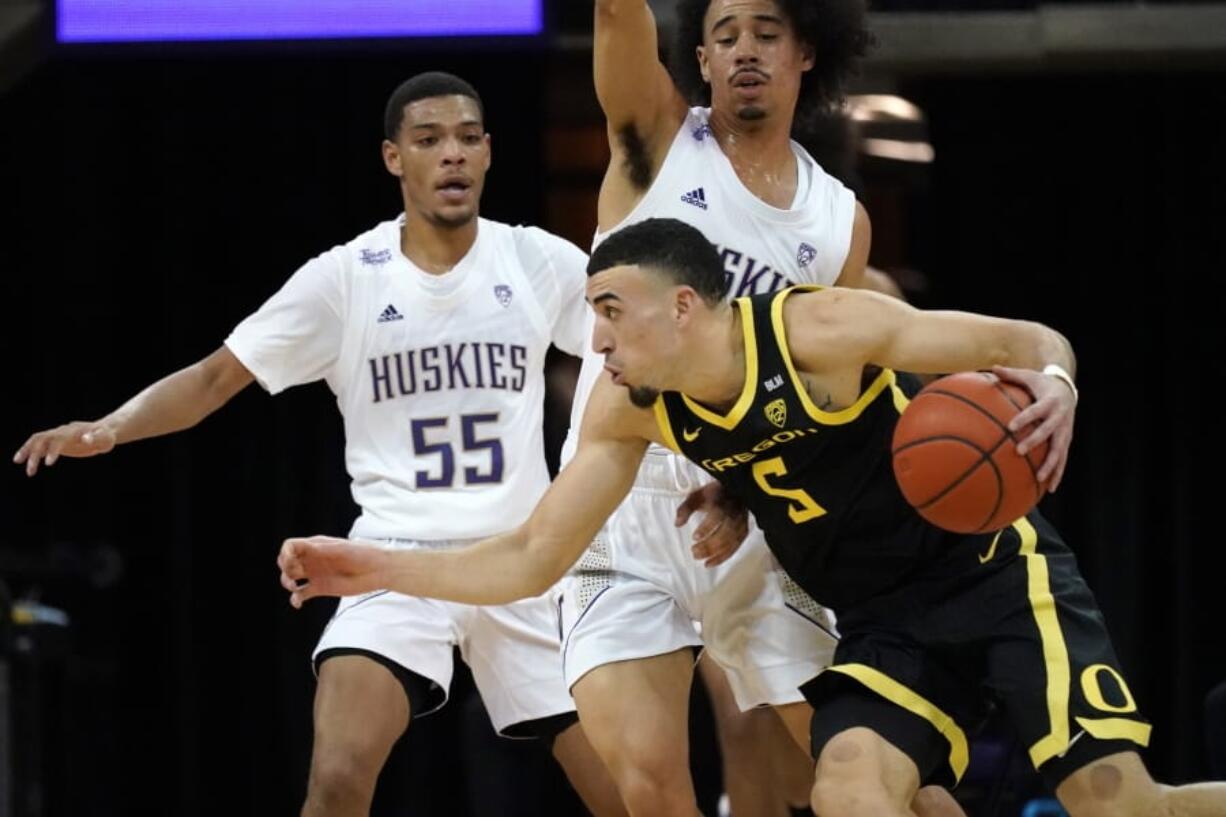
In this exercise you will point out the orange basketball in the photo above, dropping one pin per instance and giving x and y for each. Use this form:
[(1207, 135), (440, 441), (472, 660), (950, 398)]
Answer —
[(955, 460)]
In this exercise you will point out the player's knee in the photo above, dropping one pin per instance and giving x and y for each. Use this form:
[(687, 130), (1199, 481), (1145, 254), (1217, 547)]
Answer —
[(341, 777), (847, 797), (655, 791), (934, 801)]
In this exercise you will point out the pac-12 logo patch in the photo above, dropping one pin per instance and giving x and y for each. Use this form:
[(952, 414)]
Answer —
[(805, 255), (777, 412), (503, 293)]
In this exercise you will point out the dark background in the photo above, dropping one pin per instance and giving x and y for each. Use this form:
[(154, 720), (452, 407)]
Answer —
[(153, 201)]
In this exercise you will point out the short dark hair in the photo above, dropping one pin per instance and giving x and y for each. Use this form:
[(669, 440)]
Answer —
[(669, 246), (836, 30), (424, 86)]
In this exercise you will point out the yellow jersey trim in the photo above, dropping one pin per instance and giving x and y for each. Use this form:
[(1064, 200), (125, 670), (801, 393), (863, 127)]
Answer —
[(901, 401), (666, 427), (748, 391), (1055, 652), (896, 693), (831, 418)]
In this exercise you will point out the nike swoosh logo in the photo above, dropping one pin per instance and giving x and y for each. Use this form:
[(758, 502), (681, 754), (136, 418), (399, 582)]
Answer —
[(690, 436)]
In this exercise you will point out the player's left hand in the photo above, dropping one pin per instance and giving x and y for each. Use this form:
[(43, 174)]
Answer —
[(724, 526), (1052, 414), (326, 566)]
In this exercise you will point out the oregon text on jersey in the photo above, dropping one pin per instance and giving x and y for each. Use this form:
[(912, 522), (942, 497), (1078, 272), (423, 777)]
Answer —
[(776, 439)]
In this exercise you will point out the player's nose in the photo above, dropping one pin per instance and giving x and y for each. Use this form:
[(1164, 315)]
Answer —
[(602, 342), (746, 51), (453, 152)]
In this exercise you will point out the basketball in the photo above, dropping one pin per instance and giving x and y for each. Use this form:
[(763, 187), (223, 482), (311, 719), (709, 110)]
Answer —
[(955, 459)]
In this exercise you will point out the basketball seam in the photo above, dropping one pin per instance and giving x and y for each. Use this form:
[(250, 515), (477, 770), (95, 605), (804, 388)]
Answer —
[(1034, 474), (984, 456), (973, 405)]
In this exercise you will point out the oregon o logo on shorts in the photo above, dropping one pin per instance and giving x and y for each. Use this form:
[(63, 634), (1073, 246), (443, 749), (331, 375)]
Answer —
[(1091, 687)]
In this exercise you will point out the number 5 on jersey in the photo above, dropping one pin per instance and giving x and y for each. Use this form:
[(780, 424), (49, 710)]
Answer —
[(801, 507), (426, 442)]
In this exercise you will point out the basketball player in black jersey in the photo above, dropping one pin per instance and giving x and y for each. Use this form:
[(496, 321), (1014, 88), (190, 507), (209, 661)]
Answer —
[(790, 401)]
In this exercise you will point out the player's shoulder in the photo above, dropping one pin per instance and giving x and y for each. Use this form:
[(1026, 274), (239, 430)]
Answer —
[(698, 117), (538, 236), (537, 248), (370, 250), (695, 134), (824, 183)]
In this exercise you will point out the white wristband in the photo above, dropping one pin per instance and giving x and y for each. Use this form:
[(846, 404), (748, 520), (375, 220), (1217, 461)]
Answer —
[(1056, 370)]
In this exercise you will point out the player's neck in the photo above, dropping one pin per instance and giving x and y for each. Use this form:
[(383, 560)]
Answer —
[(761, 154), (717, 380), (436, 249)]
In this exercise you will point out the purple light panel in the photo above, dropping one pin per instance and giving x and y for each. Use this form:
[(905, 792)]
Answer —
[(84, 21)]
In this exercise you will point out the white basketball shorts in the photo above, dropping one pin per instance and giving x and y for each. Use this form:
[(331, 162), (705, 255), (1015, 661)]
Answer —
[(513, 649), (638, 592)]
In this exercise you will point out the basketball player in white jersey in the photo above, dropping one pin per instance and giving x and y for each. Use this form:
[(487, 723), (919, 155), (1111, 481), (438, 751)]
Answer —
[(431, 330), (732, 171)]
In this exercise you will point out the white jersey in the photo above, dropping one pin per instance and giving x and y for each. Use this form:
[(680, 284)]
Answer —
[(439, 378), (764, 248)]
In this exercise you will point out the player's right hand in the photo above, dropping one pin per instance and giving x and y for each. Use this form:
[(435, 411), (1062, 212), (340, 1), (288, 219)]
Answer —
[(327, 566), (77, 439), (724, 526)]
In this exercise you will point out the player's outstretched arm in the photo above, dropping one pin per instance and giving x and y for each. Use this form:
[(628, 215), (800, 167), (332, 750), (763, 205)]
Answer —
[(500, 569), (850, 328), (177, 401)]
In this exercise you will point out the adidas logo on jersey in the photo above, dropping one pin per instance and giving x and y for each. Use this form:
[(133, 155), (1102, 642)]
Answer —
[(390, 314), (696, 198)]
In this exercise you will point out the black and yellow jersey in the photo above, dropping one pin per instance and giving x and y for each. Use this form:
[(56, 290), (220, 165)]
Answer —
[(819, 483)]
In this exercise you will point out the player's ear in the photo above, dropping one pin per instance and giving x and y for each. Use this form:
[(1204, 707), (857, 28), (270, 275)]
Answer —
[(703, 68), (489, 154), (808, 57), (684, 301), (391, 158)]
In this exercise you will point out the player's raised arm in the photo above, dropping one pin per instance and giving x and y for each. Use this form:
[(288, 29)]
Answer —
[(642, 106), (500, 569), (845, 329), (177, 401)]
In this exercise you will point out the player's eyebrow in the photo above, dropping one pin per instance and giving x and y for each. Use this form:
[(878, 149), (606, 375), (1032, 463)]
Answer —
[(434, 125), (761, 18), (604, 296)]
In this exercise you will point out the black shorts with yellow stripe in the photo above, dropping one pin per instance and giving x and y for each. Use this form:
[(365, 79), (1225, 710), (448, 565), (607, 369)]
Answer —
[(1005, 621)]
